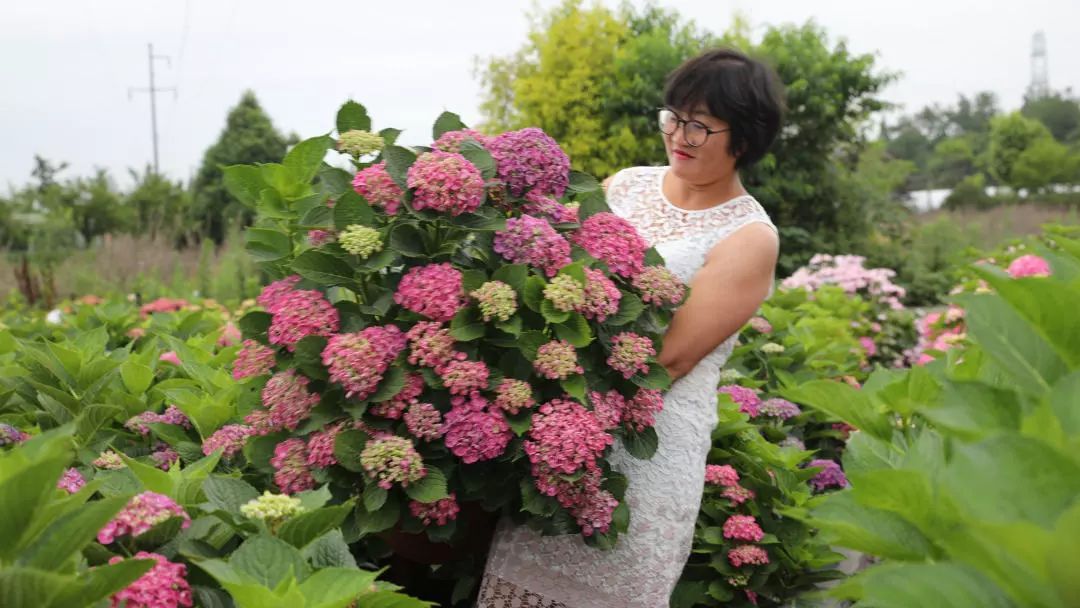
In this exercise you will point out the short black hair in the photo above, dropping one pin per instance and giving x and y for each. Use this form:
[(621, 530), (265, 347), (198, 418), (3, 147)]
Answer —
[(743, 92)]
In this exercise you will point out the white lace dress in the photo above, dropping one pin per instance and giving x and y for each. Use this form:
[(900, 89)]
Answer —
[(527, 570)]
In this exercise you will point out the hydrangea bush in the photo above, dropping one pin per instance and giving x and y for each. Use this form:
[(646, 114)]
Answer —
[(479, 331)]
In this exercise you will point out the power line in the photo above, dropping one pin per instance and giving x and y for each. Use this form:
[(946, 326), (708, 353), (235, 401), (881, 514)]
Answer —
[(153, 91)]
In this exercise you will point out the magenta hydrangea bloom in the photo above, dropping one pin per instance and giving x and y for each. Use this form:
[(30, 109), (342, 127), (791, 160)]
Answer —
[(830, 476), (431, 345), (253, 359), (593, 510), (357, 361), (318, 238), (451, 140), (608, 408), (779, 408), (424, 421), (640, 412), (512, 396), (747, 398), (602, 296), (288, 399), (271, 295), (164, 457), (529, 240), (230, 439), (378, 188), (659, 286), (721, 475), (746, 555), (71, 481), (433, 290), (548, 208), (557, 360), (439, 512), (392, 459), (743, 527), (320, 446), (530, 160), (300, 314), (162, 586), (564, 438), (291, 473), (143, 512), (473, 433), (394, 407), (446, 182), (630, 353), (614, 241), (1029, 266), (464, 377), (738, 494), (10, 435)]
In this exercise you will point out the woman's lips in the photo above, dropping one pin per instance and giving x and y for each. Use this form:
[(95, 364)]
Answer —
[(679, 154)]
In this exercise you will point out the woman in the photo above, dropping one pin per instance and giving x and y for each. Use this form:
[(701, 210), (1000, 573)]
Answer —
[(722, 111)]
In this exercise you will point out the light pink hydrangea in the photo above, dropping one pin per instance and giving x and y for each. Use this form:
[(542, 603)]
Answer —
[(143, 512), (378, 188), (439, 512), (230, 439), (761, 325), (530, 160), (271, 295), (608, 408), (424, 421), (746, 398), (496, 300), (171, 357), (390, 460), (291, 473), (431, 345), (738, 494), (630, 353), (659, 286), (473, 432), (747, 555), (640, 412), (253, 359), (288, 399), (602, 296), (464, 377), (721, 475), (162, 586), (433, 290), (446, 182), (848, 272), (71, 481), (557, 360), (614, 241), (512, 396), (549, 208), (564, 438), (171, 415), (320, 446), (779, 408), (300, 314), (1029, 266), (868, 345), (164, 457), (357, 361), (451, 140), (743, 527), (529, 240)]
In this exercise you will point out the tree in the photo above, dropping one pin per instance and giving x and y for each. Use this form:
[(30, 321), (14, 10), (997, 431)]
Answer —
[(953, 159), (248, 137), (1010, 136), (1045, 162), (156, 202), (1060, 113)]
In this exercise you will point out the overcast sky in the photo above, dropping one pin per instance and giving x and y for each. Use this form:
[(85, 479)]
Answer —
[(66, 66)]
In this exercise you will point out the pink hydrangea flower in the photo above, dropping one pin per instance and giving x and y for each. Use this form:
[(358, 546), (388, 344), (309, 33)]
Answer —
[(431, 345), (530, 160), (830, 476), (743, 527), (529, 240), (721, 475), (1029, 266), (433, 290), (394, 407), (320, 446), (143, 512), (473, 433), (71, 481), (271, 295), (162, 305), (253, 359), (614, 241), (170, 357), (640, 412), (230, 334), (593, 511), (746, 555), (10, 435), (738, 494), (557, 360), (761, 325), (446, 182), (746, 398), (548, 208), (291, 473), (378, 188), (451, 140), (288, 399), (171, 415), (439, 512), (564, 438), (318, 238), (779, 408), (464, 377), (608, 408), (659, 286), (164, 457), (163, 586), (630, 353), (230, 439), (390, 460), (848, 272), (357, 361), (868, 346), (602, 296), (424, 421), (300, 314), (565, 293), (512, 396)]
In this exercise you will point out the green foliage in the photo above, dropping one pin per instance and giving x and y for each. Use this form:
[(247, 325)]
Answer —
[(1059, 112), (1010, 136)]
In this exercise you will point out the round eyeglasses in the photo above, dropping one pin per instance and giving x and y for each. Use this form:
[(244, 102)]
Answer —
[(695, 133)]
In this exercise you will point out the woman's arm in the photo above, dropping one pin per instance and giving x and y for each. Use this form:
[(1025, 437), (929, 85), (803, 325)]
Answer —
[(724, 294)]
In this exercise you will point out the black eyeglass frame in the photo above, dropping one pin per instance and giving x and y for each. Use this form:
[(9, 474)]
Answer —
[(681, 122)]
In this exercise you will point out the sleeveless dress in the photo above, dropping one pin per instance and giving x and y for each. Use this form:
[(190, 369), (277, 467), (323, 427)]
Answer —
[(527, 570)]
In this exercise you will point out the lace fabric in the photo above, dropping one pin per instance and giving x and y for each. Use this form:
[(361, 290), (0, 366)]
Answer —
[(527, 570)]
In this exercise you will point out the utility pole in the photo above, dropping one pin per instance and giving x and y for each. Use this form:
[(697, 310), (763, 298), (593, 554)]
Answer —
[(153, 91)]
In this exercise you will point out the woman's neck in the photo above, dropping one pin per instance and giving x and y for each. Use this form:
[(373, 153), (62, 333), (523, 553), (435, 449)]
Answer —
[(696, 196)]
